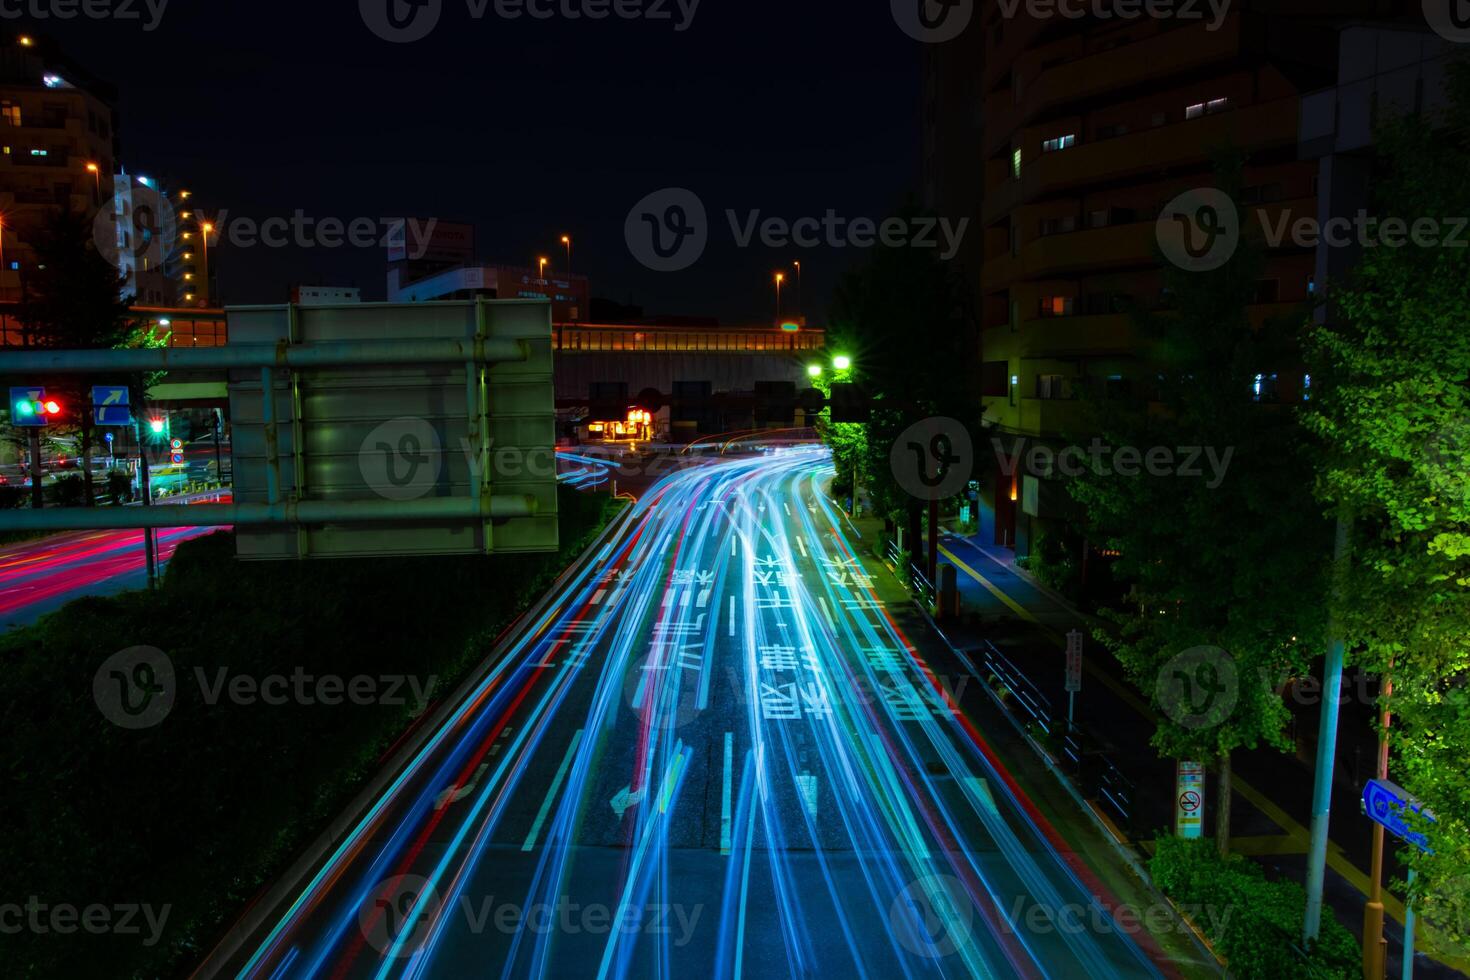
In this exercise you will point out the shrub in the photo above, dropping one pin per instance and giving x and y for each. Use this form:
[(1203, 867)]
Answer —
[(1254, 923)]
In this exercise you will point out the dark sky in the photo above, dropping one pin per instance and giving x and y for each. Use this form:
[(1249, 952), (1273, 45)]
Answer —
[(526, 128)]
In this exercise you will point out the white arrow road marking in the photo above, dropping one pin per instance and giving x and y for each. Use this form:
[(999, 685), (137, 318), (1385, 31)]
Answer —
[(452, 795)]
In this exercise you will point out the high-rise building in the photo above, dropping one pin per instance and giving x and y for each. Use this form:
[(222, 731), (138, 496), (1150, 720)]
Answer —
[(58, 144), (160, 243), (1069, 137)]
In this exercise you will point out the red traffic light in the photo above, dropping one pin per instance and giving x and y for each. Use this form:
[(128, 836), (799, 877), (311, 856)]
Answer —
[(52, 408)]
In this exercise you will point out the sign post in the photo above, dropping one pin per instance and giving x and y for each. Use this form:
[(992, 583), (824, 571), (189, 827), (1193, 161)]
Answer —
[(1385, 803), (1189, 800), (1074, 672)]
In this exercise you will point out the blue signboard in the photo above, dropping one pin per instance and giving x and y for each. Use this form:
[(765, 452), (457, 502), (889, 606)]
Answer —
[(1385, 803), (110, 406)]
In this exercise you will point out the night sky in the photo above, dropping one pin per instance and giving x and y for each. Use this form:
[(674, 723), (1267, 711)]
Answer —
[(528, 129)]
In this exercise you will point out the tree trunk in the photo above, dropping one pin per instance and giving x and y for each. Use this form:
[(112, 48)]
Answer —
[(1222, 808)]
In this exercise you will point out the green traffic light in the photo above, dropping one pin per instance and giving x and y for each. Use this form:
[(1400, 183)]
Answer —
[(25, 408)]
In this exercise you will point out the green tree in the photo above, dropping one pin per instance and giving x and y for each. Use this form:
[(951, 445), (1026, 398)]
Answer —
[(905, 319), (1394, 417), (1225, 573), (72, 301)]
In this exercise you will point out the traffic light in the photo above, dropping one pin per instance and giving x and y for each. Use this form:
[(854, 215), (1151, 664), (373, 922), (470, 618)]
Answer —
[(30, 408)]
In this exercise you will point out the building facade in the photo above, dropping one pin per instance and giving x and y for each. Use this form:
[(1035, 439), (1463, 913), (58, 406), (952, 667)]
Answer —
[(1085, 131), (58, 147)]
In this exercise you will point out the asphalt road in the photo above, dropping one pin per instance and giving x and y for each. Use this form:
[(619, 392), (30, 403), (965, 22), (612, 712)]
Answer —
[(712, 753), (39, 577)]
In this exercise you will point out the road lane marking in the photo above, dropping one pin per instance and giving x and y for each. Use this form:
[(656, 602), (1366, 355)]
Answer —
[(801, 546), (732, 615), (807, 784), (596, 599), (561, 774), (826, 611), (725, 841)]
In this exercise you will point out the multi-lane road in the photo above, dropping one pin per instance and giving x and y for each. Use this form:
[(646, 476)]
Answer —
[(41, 576), (710, 752)]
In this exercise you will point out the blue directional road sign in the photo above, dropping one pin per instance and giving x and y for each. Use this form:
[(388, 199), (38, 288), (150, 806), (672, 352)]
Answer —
[(1386, 803), (110, 406)]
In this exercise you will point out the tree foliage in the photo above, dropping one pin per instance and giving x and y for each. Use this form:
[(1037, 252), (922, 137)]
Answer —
[(1237, 566), (1394, 418), (904, 318)]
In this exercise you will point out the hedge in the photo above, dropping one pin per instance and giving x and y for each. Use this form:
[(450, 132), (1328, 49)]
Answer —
[(1254, 923)]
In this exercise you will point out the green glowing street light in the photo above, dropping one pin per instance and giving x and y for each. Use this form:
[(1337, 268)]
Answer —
[(842, 362), (814, 370)]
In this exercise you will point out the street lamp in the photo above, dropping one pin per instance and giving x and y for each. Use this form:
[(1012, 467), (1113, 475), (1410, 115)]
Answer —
[(96, 173), (543, 263), (567, 241), (798, 287), (814, 370), (780, 278), (842, 362), (206, 229)]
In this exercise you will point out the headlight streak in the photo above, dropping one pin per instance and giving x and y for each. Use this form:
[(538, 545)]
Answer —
[(848, 782)]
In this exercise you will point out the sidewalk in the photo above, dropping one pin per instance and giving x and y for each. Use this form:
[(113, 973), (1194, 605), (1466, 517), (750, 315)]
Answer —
[(1271, 803)]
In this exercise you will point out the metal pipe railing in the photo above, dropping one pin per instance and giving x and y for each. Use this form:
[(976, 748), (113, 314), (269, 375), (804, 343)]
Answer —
[(285, 512), (479, 350)]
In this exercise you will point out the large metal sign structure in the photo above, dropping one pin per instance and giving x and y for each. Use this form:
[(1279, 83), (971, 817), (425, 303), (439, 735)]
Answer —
[(363, 430), (397, 434)]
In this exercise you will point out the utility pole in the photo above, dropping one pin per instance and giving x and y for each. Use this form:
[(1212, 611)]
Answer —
[(1375, 947), (38, 498), (150, 551), (1327, 735)]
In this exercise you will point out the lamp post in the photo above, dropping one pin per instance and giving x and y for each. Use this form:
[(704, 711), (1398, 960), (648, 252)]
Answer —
[(96, 173), (205, 230), (567, 241), (780, 278), (799, 308), (541, 264)]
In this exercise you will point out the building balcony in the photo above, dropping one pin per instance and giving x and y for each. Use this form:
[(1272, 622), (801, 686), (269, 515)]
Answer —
[(1056, 417), (1142, 155), (1117, 247), (1065, 337), (1096, 77), (1062, 256)]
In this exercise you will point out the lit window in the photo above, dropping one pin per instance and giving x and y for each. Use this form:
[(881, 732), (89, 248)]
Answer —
[(1060, 143), (1056, 306), (1217, 105), (1016, 163), (40, 153), (1306, 387), (1194, 111)]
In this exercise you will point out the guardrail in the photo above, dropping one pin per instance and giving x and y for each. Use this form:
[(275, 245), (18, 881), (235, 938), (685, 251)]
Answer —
[(923, 589), (1026, 694)]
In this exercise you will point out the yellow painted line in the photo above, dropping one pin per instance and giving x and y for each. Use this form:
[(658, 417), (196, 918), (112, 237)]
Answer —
[(1297, 837), (1269, 844), (993, 589)]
